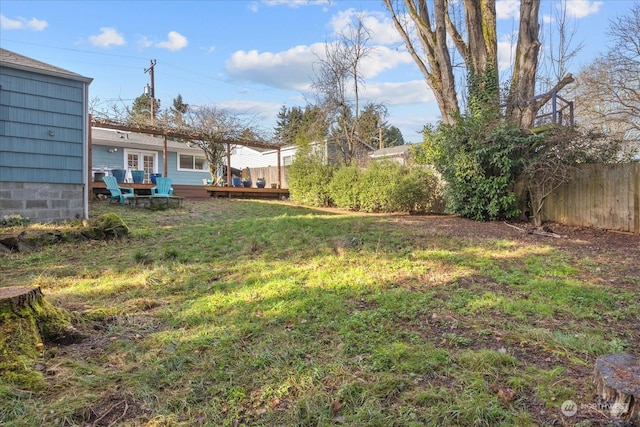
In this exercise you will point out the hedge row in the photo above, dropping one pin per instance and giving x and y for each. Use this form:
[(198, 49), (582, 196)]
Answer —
[(383, 186)]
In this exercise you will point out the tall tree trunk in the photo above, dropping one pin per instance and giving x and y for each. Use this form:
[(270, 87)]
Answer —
[(482, 58), (437, 69), (481, 30), (522, 108), (449, 103)]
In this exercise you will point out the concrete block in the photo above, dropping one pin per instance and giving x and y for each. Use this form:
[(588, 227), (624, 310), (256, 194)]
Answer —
[(12, 204), (37, 204)]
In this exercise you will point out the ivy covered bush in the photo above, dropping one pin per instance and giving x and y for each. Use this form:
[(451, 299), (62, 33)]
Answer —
[(480, 160)]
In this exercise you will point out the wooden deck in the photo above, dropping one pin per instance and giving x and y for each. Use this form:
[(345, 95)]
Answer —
[(200, 192), (247, 192), (188, 192)]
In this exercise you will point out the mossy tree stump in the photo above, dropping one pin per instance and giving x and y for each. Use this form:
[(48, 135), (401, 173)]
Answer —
[(27, 322), (617, 378)]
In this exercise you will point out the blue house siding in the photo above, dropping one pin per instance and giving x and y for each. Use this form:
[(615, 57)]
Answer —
[(102, 158), (43, 140), (42, 85), (182, 177), (103, 140), (42, 121)]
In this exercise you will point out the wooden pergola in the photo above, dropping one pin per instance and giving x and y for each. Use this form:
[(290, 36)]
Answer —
[(169, 133)]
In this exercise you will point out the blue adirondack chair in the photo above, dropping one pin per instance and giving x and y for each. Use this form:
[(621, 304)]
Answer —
[(162, 188), (117, 192)]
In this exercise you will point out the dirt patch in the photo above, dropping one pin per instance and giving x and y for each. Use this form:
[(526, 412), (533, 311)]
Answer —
[(111, 409)]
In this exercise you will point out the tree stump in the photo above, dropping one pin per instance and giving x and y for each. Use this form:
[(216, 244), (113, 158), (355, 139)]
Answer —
[(617, 378), (28, 322), (18, 297)]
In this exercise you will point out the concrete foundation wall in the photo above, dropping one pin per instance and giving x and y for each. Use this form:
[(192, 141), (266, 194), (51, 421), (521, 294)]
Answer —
[(42, 202)]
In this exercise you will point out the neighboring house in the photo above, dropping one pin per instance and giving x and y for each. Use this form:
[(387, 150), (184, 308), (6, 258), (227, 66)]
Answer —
[(337, 152), (43, 140), (115, 149), (249, 157), (256, 163), (399, 153)]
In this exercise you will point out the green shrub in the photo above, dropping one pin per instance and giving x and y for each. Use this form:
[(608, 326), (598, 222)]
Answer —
[(380, 187), (344, 187), (479, 160), (387, 186), (309, 180), (15, 220), (421, 190)]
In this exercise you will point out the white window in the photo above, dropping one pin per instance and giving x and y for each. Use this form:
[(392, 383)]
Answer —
[(192, 163), (287, 160)]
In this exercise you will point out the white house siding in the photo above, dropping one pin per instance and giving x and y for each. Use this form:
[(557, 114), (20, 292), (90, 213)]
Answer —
[(245, 157)]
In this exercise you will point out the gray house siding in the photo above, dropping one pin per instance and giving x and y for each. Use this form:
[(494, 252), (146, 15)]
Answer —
[(43, 133)]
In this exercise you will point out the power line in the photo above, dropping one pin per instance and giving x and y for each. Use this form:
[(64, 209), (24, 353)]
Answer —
[(73, 50)]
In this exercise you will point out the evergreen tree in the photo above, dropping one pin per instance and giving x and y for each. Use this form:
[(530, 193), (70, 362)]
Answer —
[(140, 111), (178, 109), (392, 137)]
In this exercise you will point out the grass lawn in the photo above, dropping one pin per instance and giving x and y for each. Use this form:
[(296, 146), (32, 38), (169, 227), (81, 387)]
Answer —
[(236, 312)]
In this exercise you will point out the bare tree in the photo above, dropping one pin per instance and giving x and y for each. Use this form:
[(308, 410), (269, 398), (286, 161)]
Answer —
[(476, 43), (217, 132), (338, 82), (561, 48), (608, 93), (554, 159)]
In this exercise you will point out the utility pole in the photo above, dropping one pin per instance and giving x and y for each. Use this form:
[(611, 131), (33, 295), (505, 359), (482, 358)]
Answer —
[(151, 90)]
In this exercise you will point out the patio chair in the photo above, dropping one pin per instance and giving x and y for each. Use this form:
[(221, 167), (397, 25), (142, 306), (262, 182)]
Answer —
[(162, 188), (117, 192)]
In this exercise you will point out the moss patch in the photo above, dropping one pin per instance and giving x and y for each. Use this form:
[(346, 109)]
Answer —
[(26, 325)]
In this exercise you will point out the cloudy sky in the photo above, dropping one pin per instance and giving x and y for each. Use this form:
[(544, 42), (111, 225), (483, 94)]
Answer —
[(251, 57)]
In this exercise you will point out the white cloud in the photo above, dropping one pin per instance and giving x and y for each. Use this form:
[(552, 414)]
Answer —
[(175, 41), (20, 23), (108, 36), (294, 68), (260, 109), (144, 42), (382, 59), (399, 93), (379, 24), (508, 9), (506, 50), (290, 69), (582, 8)]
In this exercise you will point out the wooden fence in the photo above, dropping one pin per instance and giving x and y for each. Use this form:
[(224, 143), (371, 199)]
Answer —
[(605, 196), (270, 174)]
